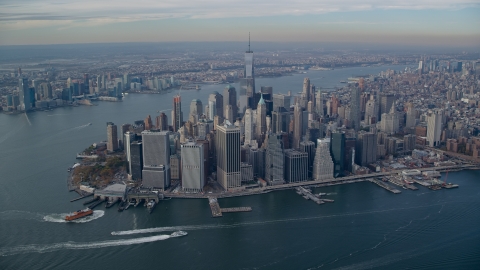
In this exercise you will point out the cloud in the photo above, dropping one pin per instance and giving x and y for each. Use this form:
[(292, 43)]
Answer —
[(14, 12)]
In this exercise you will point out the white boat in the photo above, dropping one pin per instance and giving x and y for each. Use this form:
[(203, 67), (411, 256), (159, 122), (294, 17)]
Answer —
[(178, 233)]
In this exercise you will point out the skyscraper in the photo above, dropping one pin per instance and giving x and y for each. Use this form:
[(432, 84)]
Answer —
[(215, 105), (136, 160), (230, 98), (196, 110), (112, 141), (24, 94), (261, 125), (148, 123), (274, 159), (248, 119), (193, 176), (434, 127), (305, 97), (366, 148), (177, 115), (386, 102), (297, 125), (355, 108), (371, 111), (309, 148), (227, 143), (156, 159), (323, 166), (162, 122), (411, 115), (337, 149), (248, 81), (319, 103), (281, 101), (296, 166)]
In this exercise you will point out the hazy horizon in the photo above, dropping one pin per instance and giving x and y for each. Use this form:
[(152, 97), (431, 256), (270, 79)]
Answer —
[(401, 23)]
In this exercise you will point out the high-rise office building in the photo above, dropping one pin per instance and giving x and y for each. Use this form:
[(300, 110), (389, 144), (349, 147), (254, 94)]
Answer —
[(355, 108), (230, 98), (112, 141), (319, 103), (323, 166), (193, 175), (411, 115), (227, 143), (175, 167), (281, 101), (386, 102), (256, 157), (126, 81), (409, 142), (196, 110), (434, 127), (229, 114), (136, 160), (177, 115), (366, 148), (337, 150), (162, 122), (248, 81), (297, 125), (249, 121), (156, 159), (148, 123), (280, 120), (371, 110), (309, 148), (390, 123), (215, 105), (261, 125), (24, 94), (296, 166), (274, 159)]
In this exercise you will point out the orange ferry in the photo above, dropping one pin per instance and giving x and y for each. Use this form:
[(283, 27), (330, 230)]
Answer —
[(79, 214)]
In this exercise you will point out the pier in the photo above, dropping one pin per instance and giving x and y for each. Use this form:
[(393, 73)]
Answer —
[(307, 194), (83, 197), (236, 209), (91, 201), (215, 207), (385, 186), (96, 204)]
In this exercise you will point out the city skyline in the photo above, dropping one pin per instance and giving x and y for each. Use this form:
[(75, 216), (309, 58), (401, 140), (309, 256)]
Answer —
[(421, 23)]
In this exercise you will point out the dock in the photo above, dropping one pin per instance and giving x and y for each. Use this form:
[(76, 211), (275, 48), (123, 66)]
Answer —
[(83, 197), (236, 209), (215, 207), (385, 186), (307, 194), (96, 204), (91, 201)]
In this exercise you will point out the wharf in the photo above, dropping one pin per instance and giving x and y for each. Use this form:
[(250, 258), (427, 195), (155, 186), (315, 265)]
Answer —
[(411, 187), (96, 204), (83, 197), (215, 207), (236, 209), (111, 203), (306, 194), (91, 201), (385, 186)]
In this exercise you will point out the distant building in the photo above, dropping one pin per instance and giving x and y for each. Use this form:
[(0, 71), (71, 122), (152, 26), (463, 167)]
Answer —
[(355, 116), (24, 94), (177, 115), (230, 98)]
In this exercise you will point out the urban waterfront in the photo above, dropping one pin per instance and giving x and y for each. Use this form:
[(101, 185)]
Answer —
[(422, 229)]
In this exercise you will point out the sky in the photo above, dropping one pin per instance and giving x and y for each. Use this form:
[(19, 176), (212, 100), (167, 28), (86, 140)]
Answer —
[(408, 22)]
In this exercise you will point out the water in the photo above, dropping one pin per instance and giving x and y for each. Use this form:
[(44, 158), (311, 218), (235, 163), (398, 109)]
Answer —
[(367, 227)]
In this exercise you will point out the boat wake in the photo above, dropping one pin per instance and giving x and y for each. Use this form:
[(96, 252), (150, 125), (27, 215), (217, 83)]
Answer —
[(20, 215), (60, 218), (258, 223), (8, 251)]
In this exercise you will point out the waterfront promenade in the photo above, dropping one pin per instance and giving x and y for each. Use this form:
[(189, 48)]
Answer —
[(316, 183)]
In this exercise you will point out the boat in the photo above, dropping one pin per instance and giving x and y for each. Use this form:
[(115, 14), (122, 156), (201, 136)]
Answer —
[(79, 214), (178, 233), (89, 124), (151, 204)]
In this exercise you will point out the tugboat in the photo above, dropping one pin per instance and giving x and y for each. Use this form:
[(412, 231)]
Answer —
[(79, 214)]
